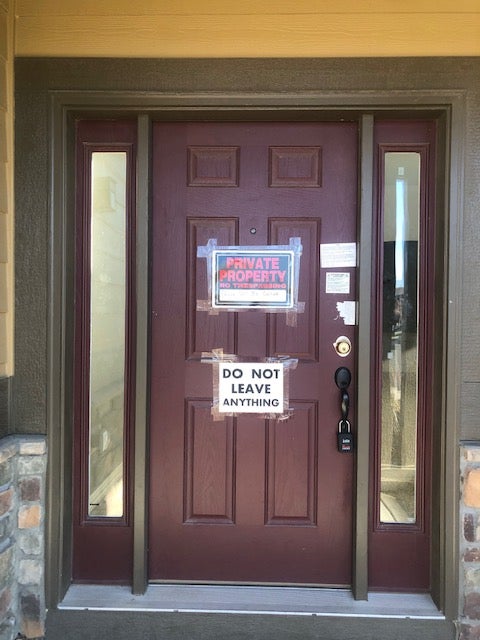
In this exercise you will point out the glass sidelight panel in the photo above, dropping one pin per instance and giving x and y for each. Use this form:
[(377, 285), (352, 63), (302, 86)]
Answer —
[(398, 475), (104, 372), (106, 453)]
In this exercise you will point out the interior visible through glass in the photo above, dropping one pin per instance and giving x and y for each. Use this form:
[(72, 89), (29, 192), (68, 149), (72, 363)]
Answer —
[(400, 338), (107, 333)]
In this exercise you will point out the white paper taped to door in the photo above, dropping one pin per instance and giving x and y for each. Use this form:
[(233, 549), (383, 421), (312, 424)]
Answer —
[(338, 254), (259, 387), (337, 282), (348, 311)]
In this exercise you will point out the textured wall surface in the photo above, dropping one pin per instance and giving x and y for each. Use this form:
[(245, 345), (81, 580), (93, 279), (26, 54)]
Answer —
[(35, 77), (5, 418), (31, 232)]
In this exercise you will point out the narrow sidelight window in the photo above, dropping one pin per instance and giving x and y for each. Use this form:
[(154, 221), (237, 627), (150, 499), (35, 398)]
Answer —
[(403, 334), (104, 370), (106, 469), (399, 393)]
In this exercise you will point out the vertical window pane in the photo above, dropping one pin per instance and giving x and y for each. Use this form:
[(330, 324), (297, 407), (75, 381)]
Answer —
[(107, 333), (400, 338)]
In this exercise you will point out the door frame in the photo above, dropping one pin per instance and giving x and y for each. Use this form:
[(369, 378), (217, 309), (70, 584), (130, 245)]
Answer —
[(448, 108)]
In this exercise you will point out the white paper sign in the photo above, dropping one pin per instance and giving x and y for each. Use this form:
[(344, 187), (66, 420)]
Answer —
[(253, 387), (348, 311), (341, 254), (337, 282)]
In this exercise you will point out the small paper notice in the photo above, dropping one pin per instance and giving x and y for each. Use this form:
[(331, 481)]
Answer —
[(337, 282), (347, 310), (340, 254)]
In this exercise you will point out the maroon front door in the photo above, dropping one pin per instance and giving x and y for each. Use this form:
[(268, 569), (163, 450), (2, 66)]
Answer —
[(248, 499)]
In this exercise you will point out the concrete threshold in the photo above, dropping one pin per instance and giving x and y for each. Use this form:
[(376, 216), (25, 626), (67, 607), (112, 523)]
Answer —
[(251, 600)]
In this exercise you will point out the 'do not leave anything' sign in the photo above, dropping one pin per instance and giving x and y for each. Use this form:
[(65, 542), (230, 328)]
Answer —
[(253, 278), (250, 387)]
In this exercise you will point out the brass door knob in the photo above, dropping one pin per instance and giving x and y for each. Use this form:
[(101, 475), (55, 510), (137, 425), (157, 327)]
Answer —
[(342, 346)]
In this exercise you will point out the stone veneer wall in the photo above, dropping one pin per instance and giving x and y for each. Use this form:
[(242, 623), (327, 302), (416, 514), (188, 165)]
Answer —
[(22, 556), (470, 542)]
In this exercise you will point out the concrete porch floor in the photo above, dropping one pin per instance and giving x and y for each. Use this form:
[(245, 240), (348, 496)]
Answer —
[(297, 601), (217, 612)]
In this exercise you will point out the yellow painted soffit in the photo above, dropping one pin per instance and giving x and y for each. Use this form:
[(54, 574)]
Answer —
[(223, 28), (26, 8)]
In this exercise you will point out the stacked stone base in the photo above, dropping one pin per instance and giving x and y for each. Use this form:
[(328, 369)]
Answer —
[(22, 555), (470, 542)]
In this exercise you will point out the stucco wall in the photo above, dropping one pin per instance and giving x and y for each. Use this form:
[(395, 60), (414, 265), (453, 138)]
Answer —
[(28, 414), (35, 77)]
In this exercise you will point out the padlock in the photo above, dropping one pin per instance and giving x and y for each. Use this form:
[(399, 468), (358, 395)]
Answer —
[(344, 437)]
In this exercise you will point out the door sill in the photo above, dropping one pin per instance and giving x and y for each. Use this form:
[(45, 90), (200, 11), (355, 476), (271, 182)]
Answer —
[(294, 601)]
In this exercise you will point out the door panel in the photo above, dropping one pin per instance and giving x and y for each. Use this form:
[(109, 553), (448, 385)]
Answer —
[(247, 499), (291, 467), (201, 331), (300, 341)]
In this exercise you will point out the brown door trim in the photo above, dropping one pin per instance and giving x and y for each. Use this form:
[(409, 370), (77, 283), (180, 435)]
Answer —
[(65, 104), (365, 226)]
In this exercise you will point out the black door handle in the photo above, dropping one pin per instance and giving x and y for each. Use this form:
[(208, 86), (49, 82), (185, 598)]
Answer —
[(343, 377), (345, 404)]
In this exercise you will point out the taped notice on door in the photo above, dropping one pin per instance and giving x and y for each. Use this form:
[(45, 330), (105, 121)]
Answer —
[(263, 278), (337, 282), (348, 311), (260, 387), (253, 278), (250, 387), (338, 254)]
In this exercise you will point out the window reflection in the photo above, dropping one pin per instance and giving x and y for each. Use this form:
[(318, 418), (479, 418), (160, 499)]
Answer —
[(107, 333), (400, 338)]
